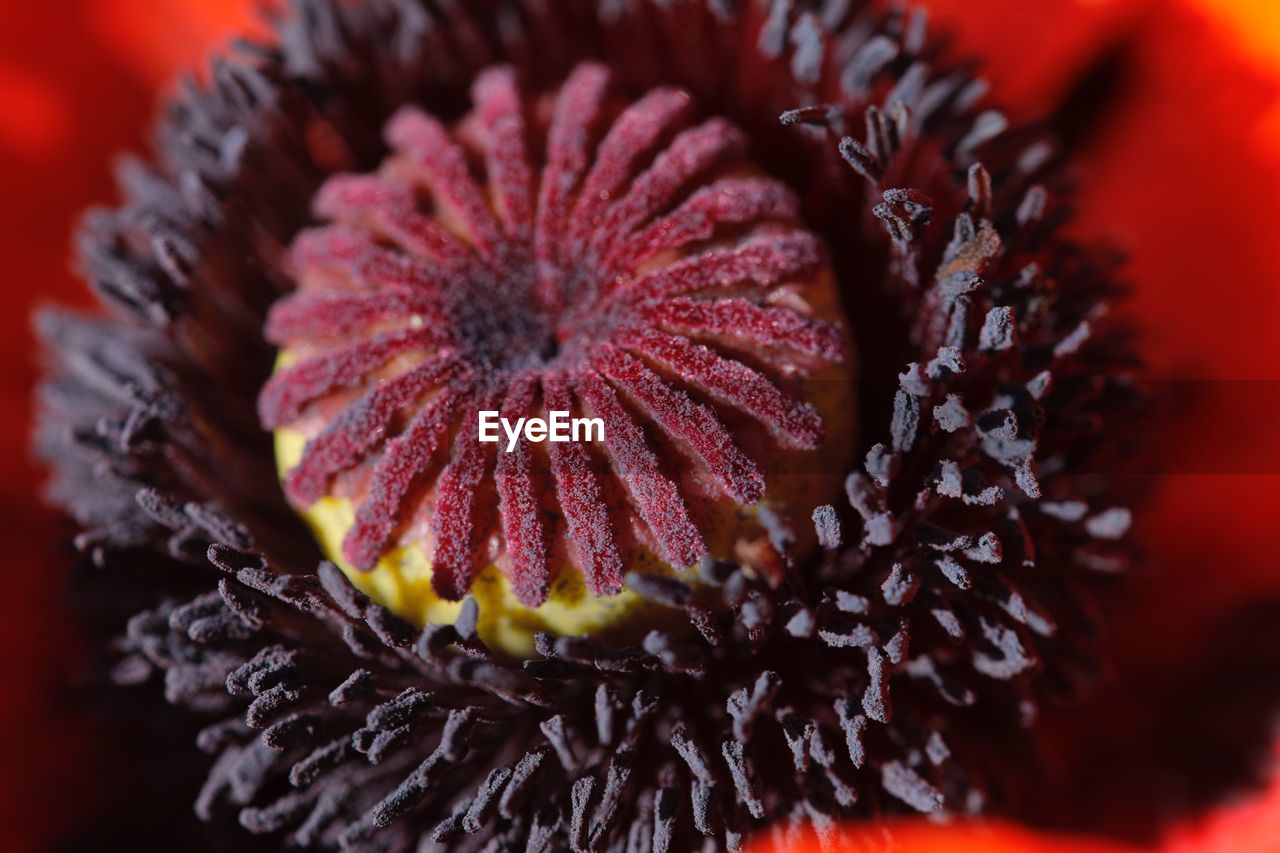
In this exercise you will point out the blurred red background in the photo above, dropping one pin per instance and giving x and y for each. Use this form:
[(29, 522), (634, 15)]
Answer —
[(1180, 166)]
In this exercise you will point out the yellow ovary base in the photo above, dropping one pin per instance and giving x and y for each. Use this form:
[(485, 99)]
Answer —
[(401, 582)]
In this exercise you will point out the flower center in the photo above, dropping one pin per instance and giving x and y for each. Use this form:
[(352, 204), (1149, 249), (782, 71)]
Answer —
[(567, 253)]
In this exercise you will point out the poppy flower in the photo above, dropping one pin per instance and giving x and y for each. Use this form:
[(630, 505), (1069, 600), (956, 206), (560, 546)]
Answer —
[(898, 649)]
